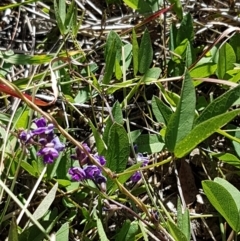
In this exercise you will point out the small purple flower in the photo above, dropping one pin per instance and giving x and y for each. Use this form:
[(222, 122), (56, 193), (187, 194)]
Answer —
[(91, 171), (100, 159), (77, 174), (25, 136), (48, 152), (136, 176), (100, 179), (44, 130), (81, 155), (41, 122), (57, 144), (42, 141)]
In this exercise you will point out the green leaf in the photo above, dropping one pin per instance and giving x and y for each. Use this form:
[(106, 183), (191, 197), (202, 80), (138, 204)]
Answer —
[(202, 132), (176, 233), (133, 135), (127, 49), (132, 3), (117, 117), (150, 143), (185, 30), (128, 231), (203, 70), (118, 70), (135, 52), (112, 52), (183, 220), (62, 10), (23, 118), (190, 56), (117, 113), (181, 122), (226, 60), (30, 169), (219, 105), (131, 234), (123, 231), (118, 149), (101, 147), (225, 199), (234, 41), (13, 231), (58, 16), (180, 50), (145, 53), (185, 226), (233, 190), (46, 203), (151, 75), (227, 158), (173, 37), (100, 229), (63, 233), (236, 134), (69, 17), (161, 111)]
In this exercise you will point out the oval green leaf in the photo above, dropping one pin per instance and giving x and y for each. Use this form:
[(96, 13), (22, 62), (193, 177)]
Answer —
[(219, 105), (180, 123), (226, 60), (145, 53), (203, 131), (223, 201)]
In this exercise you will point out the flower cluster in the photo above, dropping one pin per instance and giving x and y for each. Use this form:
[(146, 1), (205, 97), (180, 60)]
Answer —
[(142, 159), (43, 135), (86, 170)]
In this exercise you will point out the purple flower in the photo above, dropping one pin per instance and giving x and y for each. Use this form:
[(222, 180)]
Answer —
[(41, 122), (25, 136), (100, 179), (92, 171), (57, 144), (100, 159), (136, 176), (81, 155), (77, 174), (48, 152), (44, 130)]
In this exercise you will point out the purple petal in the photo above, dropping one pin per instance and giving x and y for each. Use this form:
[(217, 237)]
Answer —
[(25, 136), (57, 144), (77, 173), (48, 159), (81, 156), (48, 150), (42, 141), (136, 176), (86, 147), (91, 171), (50, 128), (100, 159), (100, 179), (39, 130), (41, 122)]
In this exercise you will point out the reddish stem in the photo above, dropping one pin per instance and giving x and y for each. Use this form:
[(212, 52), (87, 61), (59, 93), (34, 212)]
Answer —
[(7, 90)]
